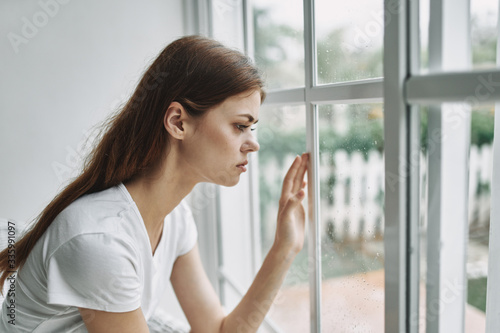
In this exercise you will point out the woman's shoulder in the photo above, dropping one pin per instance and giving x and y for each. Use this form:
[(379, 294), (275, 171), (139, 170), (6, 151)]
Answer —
[(182, 214), (109, 202), (183, 207), (107, 212), (183, 227)]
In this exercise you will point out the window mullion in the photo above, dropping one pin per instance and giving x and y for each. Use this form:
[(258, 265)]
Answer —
[(493, 291), (449, 49), (414, 153), (286, 97), (472, 87), (312, 141), (355, 92), (396, 152), (253, 171), (365, 91), (314, 240), (248, 33)]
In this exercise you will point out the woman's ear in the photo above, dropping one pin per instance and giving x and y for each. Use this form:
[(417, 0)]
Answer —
[(174, 120)]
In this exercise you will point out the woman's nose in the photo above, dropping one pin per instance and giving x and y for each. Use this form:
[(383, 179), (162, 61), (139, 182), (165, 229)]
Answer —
[(251, 145)]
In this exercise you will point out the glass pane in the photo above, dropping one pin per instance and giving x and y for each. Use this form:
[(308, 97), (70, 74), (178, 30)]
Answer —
[(279, 42), (282, 135), (424, 35), (227, 23), (349, 37), (480, 167), (483, 26), (484, 15), (352, 199)]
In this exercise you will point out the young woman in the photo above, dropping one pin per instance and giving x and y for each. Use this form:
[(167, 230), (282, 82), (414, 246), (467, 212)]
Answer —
[(99, 256)]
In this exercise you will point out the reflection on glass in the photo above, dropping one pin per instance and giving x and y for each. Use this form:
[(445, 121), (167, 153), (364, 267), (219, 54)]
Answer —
[(480, 165), (349, 37), (282, 136), (279, 42), (352, 198)]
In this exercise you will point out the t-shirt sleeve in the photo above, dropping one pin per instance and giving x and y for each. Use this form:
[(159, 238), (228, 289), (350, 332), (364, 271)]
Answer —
[(190, 233), (97, 271)]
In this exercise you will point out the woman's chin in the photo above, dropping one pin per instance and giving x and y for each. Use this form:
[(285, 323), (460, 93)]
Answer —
[(231, 183), (226, 180)]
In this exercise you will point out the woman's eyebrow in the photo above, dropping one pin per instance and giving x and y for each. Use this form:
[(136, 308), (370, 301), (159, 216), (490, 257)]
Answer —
[(250, 118)]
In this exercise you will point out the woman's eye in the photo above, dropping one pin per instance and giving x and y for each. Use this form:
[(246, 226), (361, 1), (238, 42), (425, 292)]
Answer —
[(242, 128)]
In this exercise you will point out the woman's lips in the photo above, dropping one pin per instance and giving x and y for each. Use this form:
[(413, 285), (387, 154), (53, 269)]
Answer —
[(242, 167)]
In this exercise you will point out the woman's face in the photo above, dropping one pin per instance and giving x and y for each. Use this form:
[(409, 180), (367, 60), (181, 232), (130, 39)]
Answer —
[(218, 149)]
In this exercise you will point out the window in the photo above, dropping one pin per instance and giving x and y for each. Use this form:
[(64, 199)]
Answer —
[(344, 252), (349, 40), (279, 42), (400, 181)]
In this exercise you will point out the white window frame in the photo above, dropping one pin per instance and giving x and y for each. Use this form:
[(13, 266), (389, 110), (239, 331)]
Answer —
[(402, 90)]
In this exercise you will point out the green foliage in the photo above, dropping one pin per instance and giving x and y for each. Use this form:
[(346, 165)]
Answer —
[(276, 145), (340, 63), (423, 128), (280, 145), (361, 137), (336, 63), (271, 50), (484, 43), (476, 293), (482, 126)]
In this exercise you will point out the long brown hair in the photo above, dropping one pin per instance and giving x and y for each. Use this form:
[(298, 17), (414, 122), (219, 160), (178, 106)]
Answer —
[(197, 72)]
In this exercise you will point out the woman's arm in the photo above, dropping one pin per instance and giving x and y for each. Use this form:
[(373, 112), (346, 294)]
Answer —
[(250, 312), (114, 322), (289, 240), (197, 296)]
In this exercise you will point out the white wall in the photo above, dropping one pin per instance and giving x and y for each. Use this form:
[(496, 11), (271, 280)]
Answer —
[(80, 62), (68, 76)]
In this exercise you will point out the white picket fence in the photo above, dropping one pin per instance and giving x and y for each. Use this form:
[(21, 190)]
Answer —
[(356, 210), (352, 206), (352, 209)]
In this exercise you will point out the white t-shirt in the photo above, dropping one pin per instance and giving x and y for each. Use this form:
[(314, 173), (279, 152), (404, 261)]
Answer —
[(96, 254)]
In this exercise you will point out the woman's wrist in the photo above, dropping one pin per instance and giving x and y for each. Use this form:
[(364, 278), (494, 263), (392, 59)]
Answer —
[(284, 253)]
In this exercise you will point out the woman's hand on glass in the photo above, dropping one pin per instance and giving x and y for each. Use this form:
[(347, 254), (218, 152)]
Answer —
[(290, 229)]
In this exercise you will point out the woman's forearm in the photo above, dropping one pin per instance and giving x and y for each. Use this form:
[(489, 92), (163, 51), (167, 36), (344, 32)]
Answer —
[(250, 312), (289, 240)]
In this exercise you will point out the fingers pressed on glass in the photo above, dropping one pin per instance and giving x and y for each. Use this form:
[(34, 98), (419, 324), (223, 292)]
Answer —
[(288, 182), (300, 173)]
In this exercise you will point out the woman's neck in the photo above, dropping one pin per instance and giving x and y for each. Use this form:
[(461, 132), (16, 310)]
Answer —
[(156, 194)]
